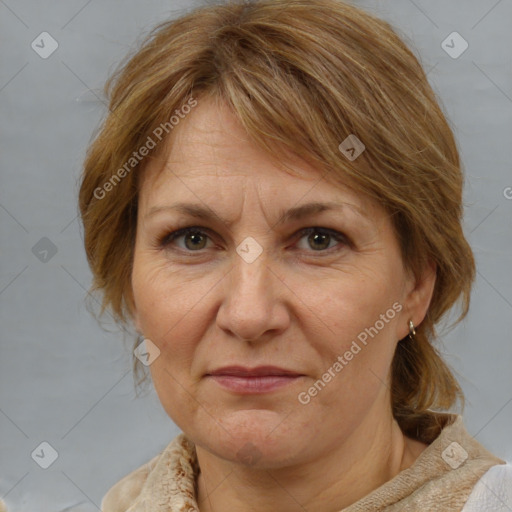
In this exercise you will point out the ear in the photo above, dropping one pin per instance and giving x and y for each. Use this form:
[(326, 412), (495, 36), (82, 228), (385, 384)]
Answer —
[(418, 298)]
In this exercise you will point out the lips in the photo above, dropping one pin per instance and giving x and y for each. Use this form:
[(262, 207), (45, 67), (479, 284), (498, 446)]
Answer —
[(260, 371), (247, 381)]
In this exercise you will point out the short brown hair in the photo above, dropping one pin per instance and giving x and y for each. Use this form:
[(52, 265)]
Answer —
[(300, 75)]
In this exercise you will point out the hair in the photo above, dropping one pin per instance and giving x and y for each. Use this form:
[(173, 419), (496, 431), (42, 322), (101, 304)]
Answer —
[(301, 76)]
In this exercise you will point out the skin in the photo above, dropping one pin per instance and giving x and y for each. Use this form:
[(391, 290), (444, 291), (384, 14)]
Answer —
[(296, 306)]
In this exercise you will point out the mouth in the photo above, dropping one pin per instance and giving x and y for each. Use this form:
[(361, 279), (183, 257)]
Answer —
[(262, 379)]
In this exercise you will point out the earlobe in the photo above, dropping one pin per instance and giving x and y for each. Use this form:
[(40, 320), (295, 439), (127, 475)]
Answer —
[(419, 298)]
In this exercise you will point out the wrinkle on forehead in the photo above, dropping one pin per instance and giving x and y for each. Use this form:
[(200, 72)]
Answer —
[(211, 143)]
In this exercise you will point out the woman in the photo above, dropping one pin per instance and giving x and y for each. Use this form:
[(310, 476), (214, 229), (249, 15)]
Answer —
[(275, 203)]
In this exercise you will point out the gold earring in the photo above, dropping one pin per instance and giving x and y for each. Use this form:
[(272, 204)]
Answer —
[(412, 330)]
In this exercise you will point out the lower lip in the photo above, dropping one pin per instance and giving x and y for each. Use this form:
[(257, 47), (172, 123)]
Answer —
[(249, 385)]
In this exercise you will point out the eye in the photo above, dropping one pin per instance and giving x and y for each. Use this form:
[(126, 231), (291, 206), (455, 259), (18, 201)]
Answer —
[(195, 238), (321, 239)]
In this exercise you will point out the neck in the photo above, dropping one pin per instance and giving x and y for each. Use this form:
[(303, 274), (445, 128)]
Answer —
[(373, 454)]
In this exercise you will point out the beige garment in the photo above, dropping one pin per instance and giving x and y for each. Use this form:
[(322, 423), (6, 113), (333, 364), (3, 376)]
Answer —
[(441, 478)]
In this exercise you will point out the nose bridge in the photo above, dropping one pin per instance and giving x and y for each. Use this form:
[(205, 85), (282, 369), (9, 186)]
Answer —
[(250, 306), (249, 276)]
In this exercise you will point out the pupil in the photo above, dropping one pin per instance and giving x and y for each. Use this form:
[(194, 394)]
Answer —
[(315, 237), (194, 237)]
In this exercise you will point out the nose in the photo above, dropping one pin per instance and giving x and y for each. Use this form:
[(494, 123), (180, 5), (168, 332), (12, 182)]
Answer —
[(254, 305)]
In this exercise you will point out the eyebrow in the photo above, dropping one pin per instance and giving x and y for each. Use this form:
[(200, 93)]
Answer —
[(199, 211)]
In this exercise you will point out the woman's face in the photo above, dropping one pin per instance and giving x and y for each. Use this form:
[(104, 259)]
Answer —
[(323, 295)]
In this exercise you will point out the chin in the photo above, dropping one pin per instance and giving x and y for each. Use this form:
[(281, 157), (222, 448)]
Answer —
[(255, 438)]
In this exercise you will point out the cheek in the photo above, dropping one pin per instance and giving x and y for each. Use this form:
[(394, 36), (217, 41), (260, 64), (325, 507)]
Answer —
[(350, 322), (355, 357), (164, 296), (345, 304), (169, 312)]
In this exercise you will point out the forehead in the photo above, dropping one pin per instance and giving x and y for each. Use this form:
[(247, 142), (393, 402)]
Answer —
[(210, 155), (212, 141)]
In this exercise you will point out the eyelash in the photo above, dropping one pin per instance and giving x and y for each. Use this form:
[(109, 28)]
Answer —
[(168, 238)]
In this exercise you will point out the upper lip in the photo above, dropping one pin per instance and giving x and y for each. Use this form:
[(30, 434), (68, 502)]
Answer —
[(241, 371)]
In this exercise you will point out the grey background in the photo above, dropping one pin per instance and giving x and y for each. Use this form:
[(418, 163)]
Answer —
[(66, 381)]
